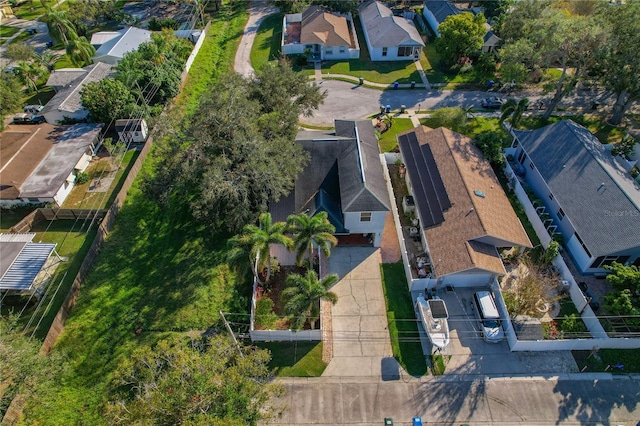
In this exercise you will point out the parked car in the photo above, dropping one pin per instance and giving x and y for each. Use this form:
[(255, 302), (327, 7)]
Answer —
[(33, 109), (492, 103), (25, 118)]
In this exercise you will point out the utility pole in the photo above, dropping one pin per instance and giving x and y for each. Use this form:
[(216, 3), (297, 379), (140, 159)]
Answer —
[(226, 324)]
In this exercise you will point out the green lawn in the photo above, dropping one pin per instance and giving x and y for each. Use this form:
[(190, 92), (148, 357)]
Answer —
[(44, 95), (388, 141), (295, 359), (609, 360), (158, 272), (6, 31), (22, 37), (473, 127), (266, 46), (11, 217), (430, 64), (32, 9), (595, 123), (403, 329)]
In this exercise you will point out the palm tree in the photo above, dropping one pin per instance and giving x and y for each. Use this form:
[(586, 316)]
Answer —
[(256, 240), (61, 29), (47, 59), (28, 73), (514, 110), (304, 294), (80, 51), (309, 231)]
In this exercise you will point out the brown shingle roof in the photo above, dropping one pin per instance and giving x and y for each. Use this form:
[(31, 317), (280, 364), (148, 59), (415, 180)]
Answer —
[(474, 225), (320, 26)]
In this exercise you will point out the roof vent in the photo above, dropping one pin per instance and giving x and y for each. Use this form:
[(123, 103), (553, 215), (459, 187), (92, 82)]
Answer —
[(479, 193)]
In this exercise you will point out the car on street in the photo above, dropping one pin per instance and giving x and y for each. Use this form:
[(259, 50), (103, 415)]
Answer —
[(33, 109), (26, 118), (492, 103)]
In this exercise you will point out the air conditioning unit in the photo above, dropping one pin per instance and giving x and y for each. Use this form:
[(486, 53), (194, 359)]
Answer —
[(408, 204)]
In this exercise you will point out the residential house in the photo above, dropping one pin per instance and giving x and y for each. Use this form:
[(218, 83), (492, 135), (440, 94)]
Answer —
[(436, 11), (344, 178), (22, 263), (593, 201), (54, 177), (320, 33), (102, 37), (132, 130), (67, 103), (464, 215), (113, 49), (59, 79), (389, 37)]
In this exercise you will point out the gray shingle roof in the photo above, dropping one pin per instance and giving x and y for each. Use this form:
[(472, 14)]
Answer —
[(441, 9), (129, 39), (68, 99), (56, 166), (350, 172), (596, 194), (384, 30), (65, 76)]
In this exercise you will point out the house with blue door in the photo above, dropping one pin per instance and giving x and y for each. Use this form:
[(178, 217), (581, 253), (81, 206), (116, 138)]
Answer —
[(592, 199)]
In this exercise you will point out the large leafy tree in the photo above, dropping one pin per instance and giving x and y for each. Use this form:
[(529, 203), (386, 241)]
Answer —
[(513, 111), (460, 35), (46, 58), (28, 74), (257, 239), (79, 51), (19, 52), (309, 232), (618, 65), (303, 296), (108, 100), (194, 382), (61, 29), (10, 95)]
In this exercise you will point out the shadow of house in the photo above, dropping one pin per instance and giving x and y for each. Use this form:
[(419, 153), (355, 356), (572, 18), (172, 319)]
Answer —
[(344, 178)]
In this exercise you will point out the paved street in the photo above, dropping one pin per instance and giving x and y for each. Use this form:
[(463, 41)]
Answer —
[(456, 400)]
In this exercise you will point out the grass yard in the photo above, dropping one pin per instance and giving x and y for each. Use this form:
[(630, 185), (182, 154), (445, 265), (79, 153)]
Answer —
[(403, 329), (6, 31), (620, 361), (473, 127), (388, 141), (32, 9), (44, 95), (295, 359), (158, 273), (80, 198), (22, 37), (595, 123), (266, 46), (430, 64), (11, 217)]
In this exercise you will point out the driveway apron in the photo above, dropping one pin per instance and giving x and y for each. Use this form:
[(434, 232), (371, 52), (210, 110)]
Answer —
[(361, 345)]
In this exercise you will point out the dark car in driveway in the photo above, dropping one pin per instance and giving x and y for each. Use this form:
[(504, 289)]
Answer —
[(492, 103), (26, 118)]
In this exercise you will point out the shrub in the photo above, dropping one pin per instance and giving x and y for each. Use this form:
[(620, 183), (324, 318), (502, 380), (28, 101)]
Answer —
[(265, 318), (81, 178)]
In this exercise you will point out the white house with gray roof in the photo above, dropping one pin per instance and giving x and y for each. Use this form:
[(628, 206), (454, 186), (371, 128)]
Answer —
[(114, 48), (593, 201), (68, 102), (389, 37), (344, 177)]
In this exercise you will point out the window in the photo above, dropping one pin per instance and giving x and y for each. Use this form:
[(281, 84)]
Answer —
[(550, 196), (608, 260), (531, 165), (405, 51), (384, 51), (343, 49), (522, 157), (365, 217), (560, 214), (515, 143), (328, 50), (586, 250)]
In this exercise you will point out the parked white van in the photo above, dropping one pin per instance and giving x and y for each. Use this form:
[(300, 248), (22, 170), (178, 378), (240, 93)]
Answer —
[(489, 318)]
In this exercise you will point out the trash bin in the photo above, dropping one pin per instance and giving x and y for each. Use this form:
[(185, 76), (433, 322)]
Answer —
[(382, 108), (413, 84), (490, 84), (361, 81), (402, 109), (396, 84), (388, 421), (387, 109)]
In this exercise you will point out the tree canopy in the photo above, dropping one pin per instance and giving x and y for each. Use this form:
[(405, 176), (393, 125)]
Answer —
[(10, 95), (460, 35), (194, 382), (241, 151), (107, 100)]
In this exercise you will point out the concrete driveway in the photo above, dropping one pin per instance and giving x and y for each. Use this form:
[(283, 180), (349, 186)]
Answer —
[(471, 355), (361, 345)]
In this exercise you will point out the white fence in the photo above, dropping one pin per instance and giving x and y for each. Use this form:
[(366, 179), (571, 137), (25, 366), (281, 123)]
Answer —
[(600, 338), (194, 52), (285, 335)]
